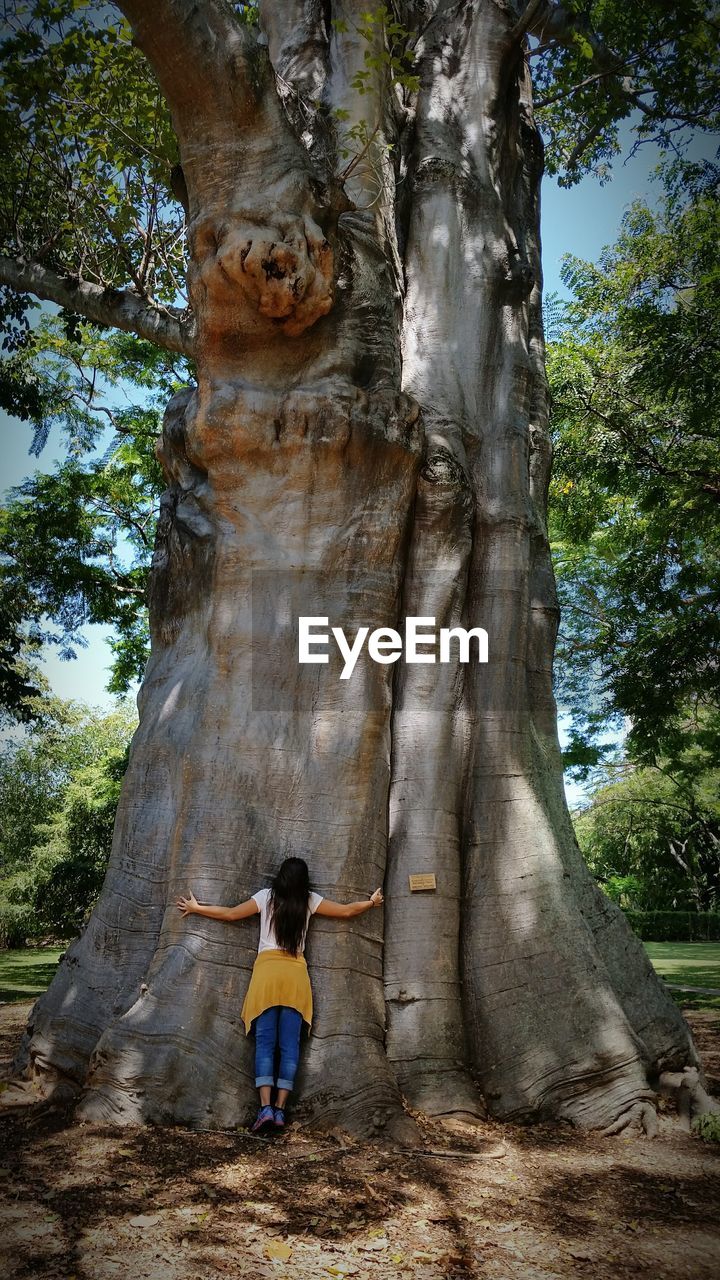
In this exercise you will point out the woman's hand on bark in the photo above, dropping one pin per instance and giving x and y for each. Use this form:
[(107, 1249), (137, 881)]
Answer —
[(377, 898), (187, 905)]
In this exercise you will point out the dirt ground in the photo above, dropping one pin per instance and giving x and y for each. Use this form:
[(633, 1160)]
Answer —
[(90, 1202)]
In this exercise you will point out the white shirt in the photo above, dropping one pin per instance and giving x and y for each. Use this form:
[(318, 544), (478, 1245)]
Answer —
[(268, 940)]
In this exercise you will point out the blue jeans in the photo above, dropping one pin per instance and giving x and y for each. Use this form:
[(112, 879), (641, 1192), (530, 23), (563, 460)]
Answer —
[(282, 1025)]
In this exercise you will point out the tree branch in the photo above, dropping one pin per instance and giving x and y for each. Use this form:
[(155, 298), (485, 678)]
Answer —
[(583, 143), (114, 307), (527, 19), (582, 84), (199, 54), (543, 19)]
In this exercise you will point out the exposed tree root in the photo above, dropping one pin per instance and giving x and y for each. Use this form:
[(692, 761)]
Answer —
[(372, 1113), (641, 1117), (451, 1118), (690, 1096), (20, 1093), (491, 1151), (47, 1087), (682, 1087), (444, 1095)]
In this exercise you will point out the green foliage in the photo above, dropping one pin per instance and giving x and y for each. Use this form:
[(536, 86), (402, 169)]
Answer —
[(70, 859), (85, 184), (37, 766), (85, 189), (652, 838), (387, 60), (653, 63), (16, 910), (707, 1126), (634, 371), (75, 544), (59, 788), (387, 50), (246, 11), (19, 678)]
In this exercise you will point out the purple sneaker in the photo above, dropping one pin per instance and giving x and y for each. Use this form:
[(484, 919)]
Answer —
[(265, 1116), (279, 1119)]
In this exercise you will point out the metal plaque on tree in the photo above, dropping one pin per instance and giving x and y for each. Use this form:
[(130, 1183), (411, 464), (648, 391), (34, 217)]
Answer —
[(423, 882)]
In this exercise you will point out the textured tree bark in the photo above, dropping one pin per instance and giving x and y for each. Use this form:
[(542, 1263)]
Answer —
[(368, 439)]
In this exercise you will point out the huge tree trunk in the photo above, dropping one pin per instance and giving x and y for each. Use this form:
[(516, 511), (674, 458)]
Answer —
[(368, 440)]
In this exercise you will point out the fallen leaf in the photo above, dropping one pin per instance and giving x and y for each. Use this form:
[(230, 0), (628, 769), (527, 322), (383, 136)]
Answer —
[(278, 1249), (381, 1242), (145, 1220)]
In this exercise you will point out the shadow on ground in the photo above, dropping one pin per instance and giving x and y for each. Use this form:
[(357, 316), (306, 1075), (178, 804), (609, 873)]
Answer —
[(503, 1203)]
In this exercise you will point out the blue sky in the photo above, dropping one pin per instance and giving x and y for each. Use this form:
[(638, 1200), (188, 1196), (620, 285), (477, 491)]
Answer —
[(579, 221)]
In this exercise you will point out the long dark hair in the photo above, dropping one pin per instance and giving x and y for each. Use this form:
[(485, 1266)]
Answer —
[(288, 905)]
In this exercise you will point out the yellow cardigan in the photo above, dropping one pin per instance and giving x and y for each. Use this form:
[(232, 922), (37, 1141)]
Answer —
[(277, 978)]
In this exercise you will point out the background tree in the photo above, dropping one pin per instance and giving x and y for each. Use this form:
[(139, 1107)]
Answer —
[(76, 544), (59, 788), (367, 438), (634, 368), (651, 836)]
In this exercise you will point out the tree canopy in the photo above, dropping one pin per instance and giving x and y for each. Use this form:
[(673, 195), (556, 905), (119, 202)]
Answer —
[(651, 834), (59, 788), (634, 370)]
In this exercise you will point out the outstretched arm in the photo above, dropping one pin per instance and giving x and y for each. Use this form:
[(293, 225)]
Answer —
[(191, 907), (345, 910)]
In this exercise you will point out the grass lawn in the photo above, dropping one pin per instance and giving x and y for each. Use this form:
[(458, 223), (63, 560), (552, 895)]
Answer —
[(696, 963), (27, 973)]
